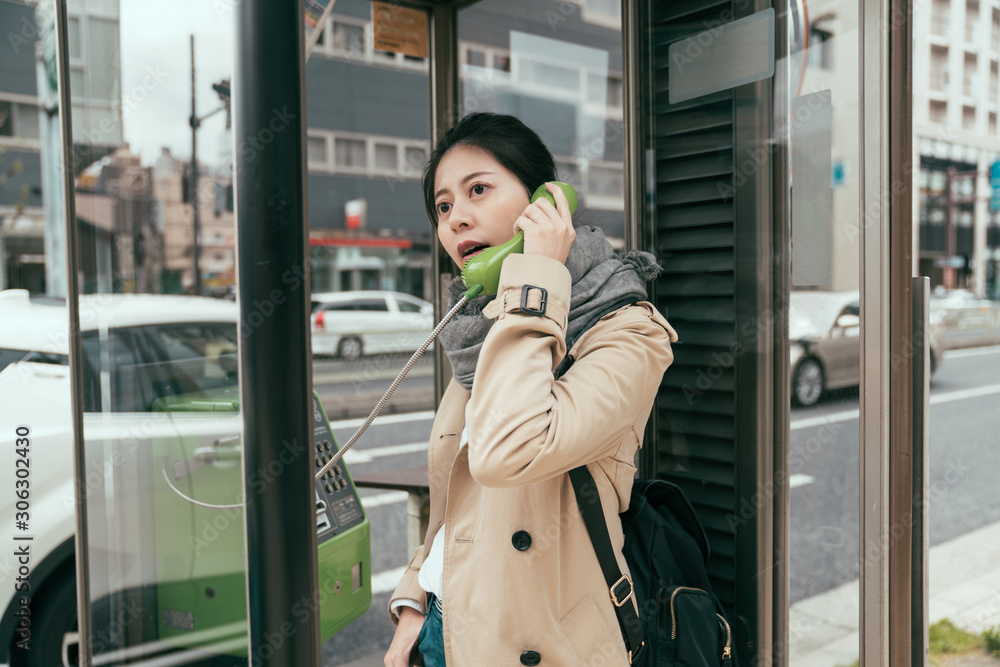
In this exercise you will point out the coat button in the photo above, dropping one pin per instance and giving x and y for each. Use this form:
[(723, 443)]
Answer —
[(521, 541), (530, 658)]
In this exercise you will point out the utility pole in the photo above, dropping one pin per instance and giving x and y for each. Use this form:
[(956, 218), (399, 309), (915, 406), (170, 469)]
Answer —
[(195, 123)]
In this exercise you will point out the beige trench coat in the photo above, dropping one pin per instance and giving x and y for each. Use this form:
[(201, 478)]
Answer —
[(521, 582)]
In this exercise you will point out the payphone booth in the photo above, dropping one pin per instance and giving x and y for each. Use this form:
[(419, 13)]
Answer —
[(705, 132)]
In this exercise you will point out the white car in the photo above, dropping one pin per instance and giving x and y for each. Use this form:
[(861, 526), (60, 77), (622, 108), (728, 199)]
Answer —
[(138, 352), (351, 324)]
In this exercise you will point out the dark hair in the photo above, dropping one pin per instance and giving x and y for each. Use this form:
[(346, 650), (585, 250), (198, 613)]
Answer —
[(511, 143)]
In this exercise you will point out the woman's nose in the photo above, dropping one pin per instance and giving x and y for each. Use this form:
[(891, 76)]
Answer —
[(461, 215)]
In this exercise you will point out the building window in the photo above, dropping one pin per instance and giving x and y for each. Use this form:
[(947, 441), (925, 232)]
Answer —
[(820, 48), (606, 13), (371, 155), (415, 159), (475, 58), (606, 181), (18, 120), (995, 31), (548, 75), (939, 68), (353, 39), (348, 38), (940, 18), (971, 22), (970, 81), (968, 118), (316, 151), (993, 123), (349, 153), (938, 111), (6, 119), (385, 157), (73, 30)]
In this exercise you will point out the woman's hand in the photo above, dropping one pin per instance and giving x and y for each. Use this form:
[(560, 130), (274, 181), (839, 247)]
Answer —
[(548, 230), (407, 630)]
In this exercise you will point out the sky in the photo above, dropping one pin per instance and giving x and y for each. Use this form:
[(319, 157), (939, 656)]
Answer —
[(156, 75)]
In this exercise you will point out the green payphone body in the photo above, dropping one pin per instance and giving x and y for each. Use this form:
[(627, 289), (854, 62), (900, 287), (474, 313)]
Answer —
[(200, 577)]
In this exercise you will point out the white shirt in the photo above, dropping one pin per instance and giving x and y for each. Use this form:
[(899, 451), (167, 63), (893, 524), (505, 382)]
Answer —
[(431, 575)]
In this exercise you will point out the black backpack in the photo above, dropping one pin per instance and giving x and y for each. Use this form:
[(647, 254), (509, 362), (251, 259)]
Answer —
[(680, 619)]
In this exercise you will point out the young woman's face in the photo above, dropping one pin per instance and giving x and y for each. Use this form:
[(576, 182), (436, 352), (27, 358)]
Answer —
[(477, 201)]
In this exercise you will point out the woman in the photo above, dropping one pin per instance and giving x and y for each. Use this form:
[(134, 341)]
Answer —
[(507, 574)]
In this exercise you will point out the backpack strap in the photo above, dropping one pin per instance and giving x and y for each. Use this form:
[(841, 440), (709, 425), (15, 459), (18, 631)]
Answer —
[(620, 587)]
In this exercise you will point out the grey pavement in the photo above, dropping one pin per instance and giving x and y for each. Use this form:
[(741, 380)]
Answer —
[(823, 630)]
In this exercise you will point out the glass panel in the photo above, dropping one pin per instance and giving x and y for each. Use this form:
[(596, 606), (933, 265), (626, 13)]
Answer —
[(564, 83), (369, 231), (818, 118), (958, 247)]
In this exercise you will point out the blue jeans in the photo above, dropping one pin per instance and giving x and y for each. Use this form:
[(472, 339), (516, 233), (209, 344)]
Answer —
[(431, 638)]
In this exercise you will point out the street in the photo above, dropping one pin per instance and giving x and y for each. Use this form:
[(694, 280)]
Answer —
[(964, 423)]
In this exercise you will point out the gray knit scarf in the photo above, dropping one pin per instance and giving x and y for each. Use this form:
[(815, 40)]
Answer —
[(600, 277)]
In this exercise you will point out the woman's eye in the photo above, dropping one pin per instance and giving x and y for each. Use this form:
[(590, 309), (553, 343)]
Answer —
[(478, 188), (443, 208)]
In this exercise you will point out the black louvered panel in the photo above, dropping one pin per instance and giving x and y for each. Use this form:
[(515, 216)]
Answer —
[(681, 145), (709, 284), (709, 236), (699, 262), (688, 12), (700, 118), (713, 164), (700, 377), (693, 145), (694, 216)]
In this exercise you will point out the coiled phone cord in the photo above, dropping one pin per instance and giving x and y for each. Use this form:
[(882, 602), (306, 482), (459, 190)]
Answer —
[(471, 293)]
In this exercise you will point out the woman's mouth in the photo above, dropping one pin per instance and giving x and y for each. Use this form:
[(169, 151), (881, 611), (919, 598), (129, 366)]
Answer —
[(473, 251)]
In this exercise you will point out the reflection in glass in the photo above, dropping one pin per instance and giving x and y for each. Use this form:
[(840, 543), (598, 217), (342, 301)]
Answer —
[(565, 85)]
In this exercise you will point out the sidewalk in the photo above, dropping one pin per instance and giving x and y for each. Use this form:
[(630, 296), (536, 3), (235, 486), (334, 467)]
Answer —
[(964, 587), (823, 630)]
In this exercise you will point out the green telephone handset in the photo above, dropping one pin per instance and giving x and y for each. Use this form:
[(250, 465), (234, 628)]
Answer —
[(483, 270)]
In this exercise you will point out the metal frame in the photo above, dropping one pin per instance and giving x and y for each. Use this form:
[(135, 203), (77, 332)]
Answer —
[(68, 184), (444, 114), (755, 384), (887, 402), (903, 393), (275, 398)]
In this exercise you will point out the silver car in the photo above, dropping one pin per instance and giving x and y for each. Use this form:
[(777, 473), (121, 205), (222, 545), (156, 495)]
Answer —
[(824, 329)]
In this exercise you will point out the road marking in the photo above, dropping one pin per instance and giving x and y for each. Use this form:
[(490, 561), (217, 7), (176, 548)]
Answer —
[(425, 415), (342, 377), (823, 420), (800, 480), (387, 580), (937, 399), (380, 499), (963, 394), (369, 455), (972, 352)]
